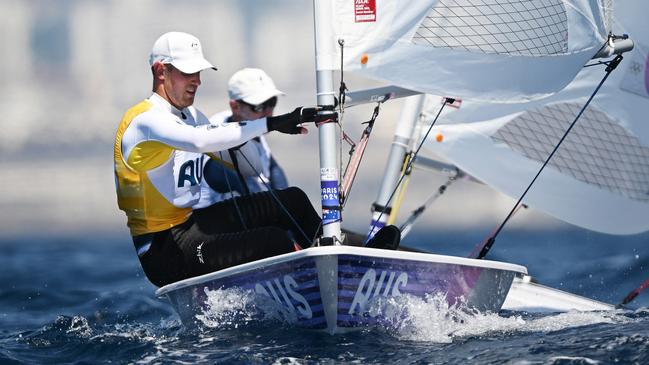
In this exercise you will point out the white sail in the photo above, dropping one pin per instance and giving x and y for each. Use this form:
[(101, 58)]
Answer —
[(599, 177), (481, 49)]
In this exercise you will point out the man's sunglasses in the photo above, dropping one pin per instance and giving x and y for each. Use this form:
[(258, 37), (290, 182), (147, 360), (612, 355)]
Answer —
[(270, 103)]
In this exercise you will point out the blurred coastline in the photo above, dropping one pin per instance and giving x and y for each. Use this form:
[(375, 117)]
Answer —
[(73, 67)]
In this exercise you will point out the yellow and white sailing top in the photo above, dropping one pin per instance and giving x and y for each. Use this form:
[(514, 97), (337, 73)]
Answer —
[(159, 159)]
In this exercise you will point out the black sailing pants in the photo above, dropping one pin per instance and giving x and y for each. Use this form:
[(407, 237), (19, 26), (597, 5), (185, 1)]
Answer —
[(227, 234)]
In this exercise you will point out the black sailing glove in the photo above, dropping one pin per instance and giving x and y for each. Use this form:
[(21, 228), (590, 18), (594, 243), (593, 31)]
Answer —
[(289, 123)]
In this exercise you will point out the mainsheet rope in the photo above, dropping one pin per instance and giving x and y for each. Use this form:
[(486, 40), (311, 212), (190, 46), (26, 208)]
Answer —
[(243, 182), (278, 201), (414, 216)]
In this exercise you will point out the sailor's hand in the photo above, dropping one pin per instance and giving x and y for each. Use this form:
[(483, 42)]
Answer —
[(290, 123)]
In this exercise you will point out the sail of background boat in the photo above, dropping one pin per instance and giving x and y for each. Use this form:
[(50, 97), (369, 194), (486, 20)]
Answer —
[(599, 178)]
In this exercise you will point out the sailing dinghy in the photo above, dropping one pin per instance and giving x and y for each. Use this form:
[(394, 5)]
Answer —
[(334, 287), (482, 50)]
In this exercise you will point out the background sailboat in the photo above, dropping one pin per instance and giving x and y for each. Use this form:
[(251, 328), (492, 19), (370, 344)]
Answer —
[(599, 178), (483, 50)]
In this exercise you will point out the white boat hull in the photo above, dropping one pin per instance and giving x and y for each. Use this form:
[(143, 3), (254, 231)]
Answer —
[(527, 296), (329, 287)]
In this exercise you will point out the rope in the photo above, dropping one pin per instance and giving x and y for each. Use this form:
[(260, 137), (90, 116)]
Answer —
[(414, 157), (634, 293), (475, 253), (489, 243), (279, 203), (343, 88), (341, 111), (234, 198), (356, 151), (407, 225), (357, 155)]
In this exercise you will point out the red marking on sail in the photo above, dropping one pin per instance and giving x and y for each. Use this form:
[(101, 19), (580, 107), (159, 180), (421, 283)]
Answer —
[(364, 11)]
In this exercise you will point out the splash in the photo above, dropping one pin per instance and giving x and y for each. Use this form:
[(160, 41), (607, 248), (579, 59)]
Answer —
[(433, 319), (235, 307), (121, 333), (77, 326), (64, 329)]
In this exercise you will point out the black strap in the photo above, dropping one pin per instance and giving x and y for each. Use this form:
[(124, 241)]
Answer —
[(378, 207)]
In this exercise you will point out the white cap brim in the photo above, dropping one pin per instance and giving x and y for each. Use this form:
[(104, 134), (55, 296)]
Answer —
[(192, 65), (260, 97)]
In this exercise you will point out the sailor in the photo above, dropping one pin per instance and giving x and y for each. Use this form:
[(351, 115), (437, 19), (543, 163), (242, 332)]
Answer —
[(158, 155)]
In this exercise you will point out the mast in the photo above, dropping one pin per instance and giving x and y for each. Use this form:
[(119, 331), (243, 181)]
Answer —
[(329, 174), (400, 143)]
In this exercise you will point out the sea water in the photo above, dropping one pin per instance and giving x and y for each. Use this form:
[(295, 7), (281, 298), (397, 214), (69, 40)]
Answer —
[(85, 300)]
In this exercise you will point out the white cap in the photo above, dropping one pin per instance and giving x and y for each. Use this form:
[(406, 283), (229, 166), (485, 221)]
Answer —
[(252, 85), (182, 50)]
